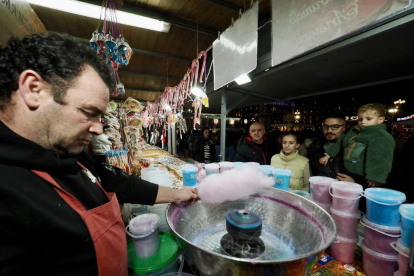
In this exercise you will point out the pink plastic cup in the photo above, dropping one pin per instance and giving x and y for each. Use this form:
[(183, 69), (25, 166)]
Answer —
[(377, 264), (319, 189), (347, 223), (378, 237), (326, 207), (345, 196), (343, 250), (403, 256)]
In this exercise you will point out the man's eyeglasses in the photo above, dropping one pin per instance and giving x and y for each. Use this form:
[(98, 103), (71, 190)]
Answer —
[(333, 127)]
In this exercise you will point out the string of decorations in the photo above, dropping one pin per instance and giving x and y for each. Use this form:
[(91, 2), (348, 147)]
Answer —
[(170, 104), (116, 52)]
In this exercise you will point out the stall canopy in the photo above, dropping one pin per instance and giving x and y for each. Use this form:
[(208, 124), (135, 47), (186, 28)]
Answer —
[(379, 53), (376, 56)]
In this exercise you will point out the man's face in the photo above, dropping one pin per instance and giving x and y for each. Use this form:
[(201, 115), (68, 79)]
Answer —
[(369, 118), (256, 132), (70, 127), (332, 128)]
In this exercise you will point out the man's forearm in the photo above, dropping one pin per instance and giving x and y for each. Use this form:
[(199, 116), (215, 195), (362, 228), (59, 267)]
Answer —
[(166, 195)]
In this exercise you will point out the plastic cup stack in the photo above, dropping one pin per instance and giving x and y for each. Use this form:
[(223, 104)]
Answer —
[(344, 210), (382, 230), (319, 190)]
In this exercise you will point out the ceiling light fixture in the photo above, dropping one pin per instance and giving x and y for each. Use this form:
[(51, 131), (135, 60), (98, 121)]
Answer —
[(243, 79), (94, 11)]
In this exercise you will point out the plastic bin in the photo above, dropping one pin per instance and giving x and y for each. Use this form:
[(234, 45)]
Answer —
[(144, 232), (383, 204), (319, 189), (343, 250), (378, 237), (403, 256), (347, 223), (377, 264), (345, 196), (164, 261), (189, 175), (407, 223), (326, 207), (282, 178)]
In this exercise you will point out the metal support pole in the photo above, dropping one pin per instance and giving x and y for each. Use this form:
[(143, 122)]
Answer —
[(174, 138), (223, 124), (169, 140)]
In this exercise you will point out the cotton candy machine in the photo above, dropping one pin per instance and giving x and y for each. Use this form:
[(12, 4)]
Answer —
[(272, 233)]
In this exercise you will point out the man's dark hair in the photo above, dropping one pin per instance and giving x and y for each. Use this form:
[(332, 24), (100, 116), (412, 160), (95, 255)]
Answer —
[(336, 115), (57, 58)]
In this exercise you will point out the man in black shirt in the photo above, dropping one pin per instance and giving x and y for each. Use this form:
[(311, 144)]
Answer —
[(256, 147), (332, 128), (60, 213)]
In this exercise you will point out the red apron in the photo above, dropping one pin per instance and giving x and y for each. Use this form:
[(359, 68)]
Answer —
[(105, 226)]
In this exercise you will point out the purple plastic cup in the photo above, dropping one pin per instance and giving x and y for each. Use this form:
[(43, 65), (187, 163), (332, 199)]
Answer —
[(345, 196), (378, 237), (347, 223), (319, 189), (377, 264)]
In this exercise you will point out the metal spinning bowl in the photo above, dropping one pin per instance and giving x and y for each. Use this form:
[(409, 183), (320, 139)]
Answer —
[(295, 232)]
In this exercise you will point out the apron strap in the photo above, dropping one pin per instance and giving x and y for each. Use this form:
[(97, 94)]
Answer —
[(71, 200)]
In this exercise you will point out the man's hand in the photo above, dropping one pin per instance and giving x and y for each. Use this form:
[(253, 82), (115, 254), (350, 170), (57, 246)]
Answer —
[(324, 160), (373, 183), (344, 177), (186, 194), (169, 195)]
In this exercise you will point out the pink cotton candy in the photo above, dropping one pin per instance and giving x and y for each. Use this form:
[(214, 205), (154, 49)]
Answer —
[(233, 184)]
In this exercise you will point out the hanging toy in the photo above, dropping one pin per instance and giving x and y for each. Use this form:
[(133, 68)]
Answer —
[(111, 46), (121, 88), (93, 41), (100, 40), (124, 51)]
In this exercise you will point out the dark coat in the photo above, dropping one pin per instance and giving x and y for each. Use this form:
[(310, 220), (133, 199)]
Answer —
[(252, 152), (198, 150), (40, 233), (334, 165)]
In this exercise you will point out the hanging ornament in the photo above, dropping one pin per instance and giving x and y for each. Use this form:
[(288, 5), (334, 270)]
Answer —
[(115, 52)]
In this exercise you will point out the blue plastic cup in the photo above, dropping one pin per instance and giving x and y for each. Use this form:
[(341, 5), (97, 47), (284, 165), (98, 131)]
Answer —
[(212, 168), (282, 179), (382, 205), (266, 170), (189, 175), (407, 223)]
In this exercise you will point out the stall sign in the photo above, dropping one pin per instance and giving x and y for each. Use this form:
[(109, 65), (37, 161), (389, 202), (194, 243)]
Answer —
[(301, 25)]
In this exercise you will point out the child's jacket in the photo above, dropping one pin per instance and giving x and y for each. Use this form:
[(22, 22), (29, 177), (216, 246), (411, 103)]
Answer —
[(368, 152)]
